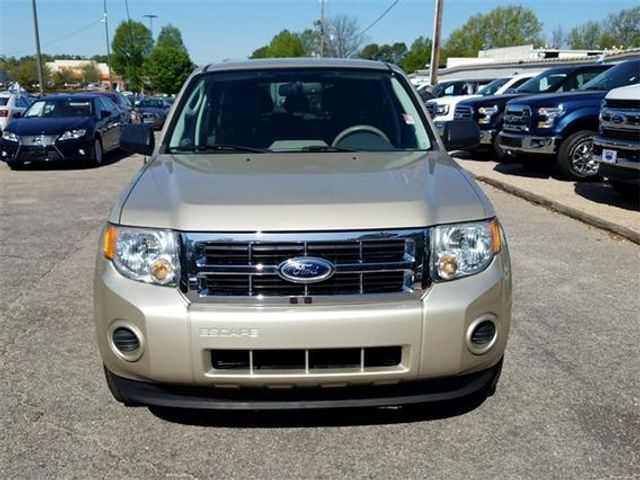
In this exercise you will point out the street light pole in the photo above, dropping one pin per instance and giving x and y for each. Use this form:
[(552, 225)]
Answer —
[(38, 53), (151, 17), (435, 44), (106, 35), (322, 28)]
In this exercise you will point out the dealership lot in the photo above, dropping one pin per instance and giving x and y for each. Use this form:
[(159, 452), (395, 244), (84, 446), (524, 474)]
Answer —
[(567, 405)]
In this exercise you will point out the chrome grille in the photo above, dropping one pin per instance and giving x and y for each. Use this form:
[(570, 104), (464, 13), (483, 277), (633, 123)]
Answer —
[(218, 266), (38, 140), (517, 118), (463, 112)]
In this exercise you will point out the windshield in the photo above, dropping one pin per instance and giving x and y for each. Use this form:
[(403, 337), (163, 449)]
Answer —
[(545, 82), (493, 87), (627, 73), (298, 110), (60, 107)]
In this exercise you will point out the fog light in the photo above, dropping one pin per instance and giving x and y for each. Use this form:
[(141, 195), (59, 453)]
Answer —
[(81, 151), (482, 335), (126, 342)]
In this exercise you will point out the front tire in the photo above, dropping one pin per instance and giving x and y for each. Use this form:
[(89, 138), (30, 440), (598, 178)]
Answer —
[(16, 165), (574, 156), (97, 153)]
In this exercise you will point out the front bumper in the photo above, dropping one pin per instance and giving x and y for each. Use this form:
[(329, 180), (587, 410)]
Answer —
[(69, 150), (408, 393), (522, 143), (179, 337), (487, 137)]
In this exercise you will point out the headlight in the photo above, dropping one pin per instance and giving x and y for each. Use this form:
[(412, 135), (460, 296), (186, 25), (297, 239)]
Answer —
[(463, 249), (442, 109), (72, 134), (548, 116), (486, 113), (10, 136), (143, 254)]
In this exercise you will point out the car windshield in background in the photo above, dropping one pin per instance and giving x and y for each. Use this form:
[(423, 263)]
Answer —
[(60, 107), (298, 110), (627, 73), (492, 87), (543, 82)]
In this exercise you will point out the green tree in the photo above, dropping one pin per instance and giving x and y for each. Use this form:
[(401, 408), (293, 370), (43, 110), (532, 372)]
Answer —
[(90, 73), (25, 72), (132, 44), (370, 51), (418, 55), (99, 58), (502, 27), (283, 44), (585, 36), (169, 64), (63, 76)]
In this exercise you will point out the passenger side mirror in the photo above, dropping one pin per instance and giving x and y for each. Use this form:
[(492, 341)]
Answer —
[(460, 135), (138, 138), (16, 114)]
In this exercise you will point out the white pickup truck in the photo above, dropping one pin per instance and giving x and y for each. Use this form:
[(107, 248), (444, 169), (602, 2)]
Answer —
[(442, 109)]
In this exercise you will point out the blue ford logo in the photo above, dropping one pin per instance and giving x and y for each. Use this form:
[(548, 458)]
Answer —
[(305, 269), (617, 118)]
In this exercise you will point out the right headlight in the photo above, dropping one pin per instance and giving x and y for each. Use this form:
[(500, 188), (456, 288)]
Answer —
[(486, 113), (143, 254), (10, 136), (463, 249)]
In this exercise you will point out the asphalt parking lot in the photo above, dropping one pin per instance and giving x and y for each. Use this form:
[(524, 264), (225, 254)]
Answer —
[(568, 405)]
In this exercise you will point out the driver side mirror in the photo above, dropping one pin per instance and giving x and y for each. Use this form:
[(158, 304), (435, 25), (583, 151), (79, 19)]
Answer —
[(138, 138), (460, 135), (17, 114)]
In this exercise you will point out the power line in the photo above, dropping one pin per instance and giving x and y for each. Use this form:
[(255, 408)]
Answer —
[(380, 17), (64, 37)]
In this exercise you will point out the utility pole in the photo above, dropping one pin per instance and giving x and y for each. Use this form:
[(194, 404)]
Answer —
[(106, 35), (321, 28), (150, 17), (435, 44), (38, 53)]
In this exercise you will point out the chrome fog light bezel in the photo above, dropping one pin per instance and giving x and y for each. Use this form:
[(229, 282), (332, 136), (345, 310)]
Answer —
[(127, 357), (473, 348)]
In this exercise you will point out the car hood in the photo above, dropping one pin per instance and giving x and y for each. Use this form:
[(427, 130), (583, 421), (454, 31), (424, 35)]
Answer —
[(47, 126), (554, 99), (452, 99), (499, 100), (296, 192), (158, 111)]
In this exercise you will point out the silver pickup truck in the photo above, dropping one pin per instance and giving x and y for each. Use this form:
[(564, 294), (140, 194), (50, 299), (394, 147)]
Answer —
[(301, 239)]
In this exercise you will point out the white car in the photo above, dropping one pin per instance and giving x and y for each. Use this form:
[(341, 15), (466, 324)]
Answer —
[(441, 109), (10, 103)]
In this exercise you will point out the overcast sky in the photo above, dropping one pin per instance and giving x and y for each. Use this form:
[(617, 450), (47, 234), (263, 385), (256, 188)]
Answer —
[(214, 30)]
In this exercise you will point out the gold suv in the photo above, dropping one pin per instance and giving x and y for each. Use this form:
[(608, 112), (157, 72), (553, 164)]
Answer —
[(301, 239)]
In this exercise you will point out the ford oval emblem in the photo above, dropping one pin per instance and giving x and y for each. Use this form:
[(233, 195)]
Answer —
[(305, 269), (617, 118)]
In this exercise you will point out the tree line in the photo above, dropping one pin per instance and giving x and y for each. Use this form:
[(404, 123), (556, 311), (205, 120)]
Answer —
[(502, 27), (162, 65)]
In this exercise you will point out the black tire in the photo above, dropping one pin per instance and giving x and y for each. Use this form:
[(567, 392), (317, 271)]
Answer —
[(627, 190), (574, 156), (97, 153), (499, 154), (112, 383), (16, 165)]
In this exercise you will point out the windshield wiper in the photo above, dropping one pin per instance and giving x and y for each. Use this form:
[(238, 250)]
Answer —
[(218, 147), (326, 148)]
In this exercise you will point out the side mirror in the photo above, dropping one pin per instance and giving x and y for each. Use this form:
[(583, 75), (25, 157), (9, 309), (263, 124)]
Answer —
[(138, 138), (460, 135), (17, 114)]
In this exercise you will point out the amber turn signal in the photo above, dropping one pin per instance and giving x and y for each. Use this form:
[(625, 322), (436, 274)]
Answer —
[(109, 241), (496, 239)]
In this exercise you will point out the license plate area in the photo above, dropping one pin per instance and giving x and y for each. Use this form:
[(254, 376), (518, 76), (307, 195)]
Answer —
[(609, 156)]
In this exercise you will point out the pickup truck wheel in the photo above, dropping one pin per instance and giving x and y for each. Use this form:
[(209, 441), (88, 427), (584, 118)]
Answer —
[(499, 154), (574, 156)]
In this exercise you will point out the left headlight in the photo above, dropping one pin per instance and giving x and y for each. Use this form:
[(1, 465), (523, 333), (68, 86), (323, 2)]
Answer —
[(10, 136), (442, 109), (486, 113), (143, 254), (548, 116), (73, 134), (463, 249)]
